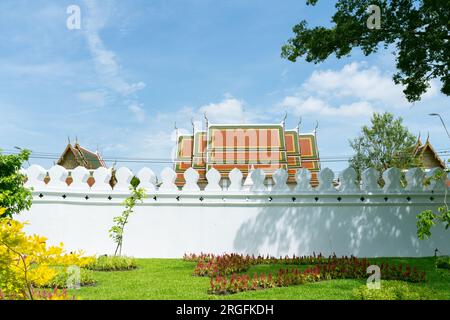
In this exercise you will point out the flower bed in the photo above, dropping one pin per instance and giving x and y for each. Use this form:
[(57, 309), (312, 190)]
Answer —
[(284, 277), (222, 265), (218, 267), (212, 265), (254, 260)]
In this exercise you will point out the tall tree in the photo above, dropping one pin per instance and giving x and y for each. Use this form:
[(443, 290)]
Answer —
[(419, 29), (385, 144)]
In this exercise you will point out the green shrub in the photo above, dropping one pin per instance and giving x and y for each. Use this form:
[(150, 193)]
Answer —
[(443, 262), (393, 290), (60, 280), (113, 263), (14, 197)]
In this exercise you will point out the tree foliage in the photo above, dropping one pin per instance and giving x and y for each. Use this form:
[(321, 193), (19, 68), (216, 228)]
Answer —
[(419, 30), (117, 231), (27, 262), (429, 218), (14, 197), (385, 144)]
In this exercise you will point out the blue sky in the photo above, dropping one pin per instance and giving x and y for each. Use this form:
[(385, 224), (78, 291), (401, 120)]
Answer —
[(137, 66)]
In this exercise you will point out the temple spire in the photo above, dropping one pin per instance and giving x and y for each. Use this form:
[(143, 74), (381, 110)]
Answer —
[(283, 122), (206, 120), (193, 135), (193, 126), (298, 125), (419, 140), (316, 127), (176, 130)]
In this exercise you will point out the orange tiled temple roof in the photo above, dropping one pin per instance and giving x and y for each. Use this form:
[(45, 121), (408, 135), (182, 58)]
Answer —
[(243, 146)]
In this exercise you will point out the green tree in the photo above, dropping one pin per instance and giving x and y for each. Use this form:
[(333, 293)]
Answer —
[(117, 231), (429, 218), (14, 197), (419, 30), (385, 144)]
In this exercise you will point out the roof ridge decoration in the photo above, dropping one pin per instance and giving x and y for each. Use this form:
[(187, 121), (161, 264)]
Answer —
[(79, 149), (428, 144), (420, 148), (87, 150), (316, 127), (297, 128), (206, 119), (283, 122), (418, 145)]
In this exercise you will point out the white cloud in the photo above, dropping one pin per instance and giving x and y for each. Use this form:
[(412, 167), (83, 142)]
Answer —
[(299, 106), (106, 62), (357, 81), (138, 112), (107, 66), (433, 90), (96, 97), (229, 110), (181, 115), (353, 91)]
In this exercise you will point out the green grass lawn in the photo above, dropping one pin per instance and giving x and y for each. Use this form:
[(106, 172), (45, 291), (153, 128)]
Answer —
[(172, 279)]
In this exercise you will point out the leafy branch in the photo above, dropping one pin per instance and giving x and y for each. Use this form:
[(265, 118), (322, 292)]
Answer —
[(22, 258), (428, 218), (117, 231), (417, 31), (14, 197)]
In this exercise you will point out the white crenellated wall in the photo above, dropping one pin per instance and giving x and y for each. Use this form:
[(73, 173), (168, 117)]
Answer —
[(360, 219)]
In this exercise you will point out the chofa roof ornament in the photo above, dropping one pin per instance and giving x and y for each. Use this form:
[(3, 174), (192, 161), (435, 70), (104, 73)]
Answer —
[(298, 125), (316, 127), (283, 122)]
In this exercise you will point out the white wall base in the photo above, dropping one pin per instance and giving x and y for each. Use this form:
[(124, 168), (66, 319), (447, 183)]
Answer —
[(172, 230)]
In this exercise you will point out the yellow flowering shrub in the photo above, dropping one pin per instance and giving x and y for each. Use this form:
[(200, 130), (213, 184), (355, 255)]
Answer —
[(26, 261)]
